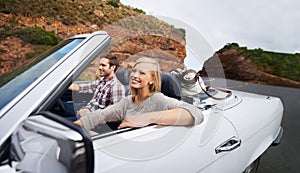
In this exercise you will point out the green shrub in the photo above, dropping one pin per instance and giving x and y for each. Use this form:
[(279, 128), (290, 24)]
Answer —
[(37, 35), (55, 8), (2, 51), (229, 46), (280, 64), (113, 3), (29, 55), (6, 27), (138, 10)]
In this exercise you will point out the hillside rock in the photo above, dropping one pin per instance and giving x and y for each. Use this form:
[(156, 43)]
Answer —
[(145, 35)]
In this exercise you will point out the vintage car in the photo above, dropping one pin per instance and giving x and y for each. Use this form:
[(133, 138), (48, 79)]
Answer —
[(36, 136)]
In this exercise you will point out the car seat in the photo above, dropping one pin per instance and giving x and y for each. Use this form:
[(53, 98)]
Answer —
[(170, 85), (123, 77)]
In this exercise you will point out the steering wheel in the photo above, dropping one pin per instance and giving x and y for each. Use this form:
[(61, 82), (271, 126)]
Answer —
[(60, 105)]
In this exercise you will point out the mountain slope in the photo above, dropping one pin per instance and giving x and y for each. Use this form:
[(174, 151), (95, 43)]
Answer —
[(24, 29)]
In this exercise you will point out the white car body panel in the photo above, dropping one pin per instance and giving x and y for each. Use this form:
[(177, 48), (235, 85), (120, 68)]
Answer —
[(138, 152), (265, 120)]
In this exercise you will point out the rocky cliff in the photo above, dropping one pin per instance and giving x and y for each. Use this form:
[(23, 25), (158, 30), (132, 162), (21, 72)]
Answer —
[(231, 65)]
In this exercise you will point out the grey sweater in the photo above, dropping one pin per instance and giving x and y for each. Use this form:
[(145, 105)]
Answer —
[(126, 107)]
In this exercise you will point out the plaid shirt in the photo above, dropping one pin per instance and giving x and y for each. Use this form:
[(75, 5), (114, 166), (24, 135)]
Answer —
[(106, 92)]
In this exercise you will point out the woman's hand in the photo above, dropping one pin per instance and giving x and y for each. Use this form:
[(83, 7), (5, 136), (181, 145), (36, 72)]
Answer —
[(135, 121), (83, 112)]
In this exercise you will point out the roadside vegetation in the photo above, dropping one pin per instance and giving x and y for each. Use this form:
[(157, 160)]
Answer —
[(70, 13), (279, 64)]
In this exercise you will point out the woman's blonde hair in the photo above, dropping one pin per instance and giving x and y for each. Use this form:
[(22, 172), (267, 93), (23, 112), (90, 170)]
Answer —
[(155, 73)]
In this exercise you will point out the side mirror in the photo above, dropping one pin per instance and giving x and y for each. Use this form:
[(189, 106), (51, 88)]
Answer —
[(41, 144)]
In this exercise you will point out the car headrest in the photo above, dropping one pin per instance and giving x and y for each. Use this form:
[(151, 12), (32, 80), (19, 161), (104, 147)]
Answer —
[(170, 85), (123, 76)]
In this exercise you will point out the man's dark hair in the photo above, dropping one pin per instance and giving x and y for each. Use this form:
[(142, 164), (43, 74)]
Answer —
[(113, 60)]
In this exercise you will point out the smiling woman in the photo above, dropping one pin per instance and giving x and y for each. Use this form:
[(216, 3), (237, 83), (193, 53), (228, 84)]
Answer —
[(146, 105)]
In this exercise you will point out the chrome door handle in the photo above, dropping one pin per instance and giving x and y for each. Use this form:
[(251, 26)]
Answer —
[(228, 145)]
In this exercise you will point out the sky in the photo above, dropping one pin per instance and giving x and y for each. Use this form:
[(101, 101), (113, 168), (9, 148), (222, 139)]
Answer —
[(272, 25)]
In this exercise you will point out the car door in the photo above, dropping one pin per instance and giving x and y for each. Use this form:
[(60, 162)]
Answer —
[(212, 146), (47, 143)]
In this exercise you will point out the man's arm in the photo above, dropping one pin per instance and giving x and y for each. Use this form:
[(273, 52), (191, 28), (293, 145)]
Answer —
[(86, 87)]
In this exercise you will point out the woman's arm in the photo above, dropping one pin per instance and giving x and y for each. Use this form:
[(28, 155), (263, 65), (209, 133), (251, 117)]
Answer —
[(113, 112), (177, 116)]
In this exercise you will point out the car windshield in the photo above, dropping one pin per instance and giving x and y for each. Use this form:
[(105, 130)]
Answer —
[(13, 83)]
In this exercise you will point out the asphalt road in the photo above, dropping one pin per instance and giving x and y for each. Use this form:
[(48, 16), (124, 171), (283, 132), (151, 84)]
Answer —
[(284, 158)]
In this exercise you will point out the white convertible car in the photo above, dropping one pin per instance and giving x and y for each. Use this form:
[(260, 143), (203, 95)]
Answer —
[(35, 135)]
